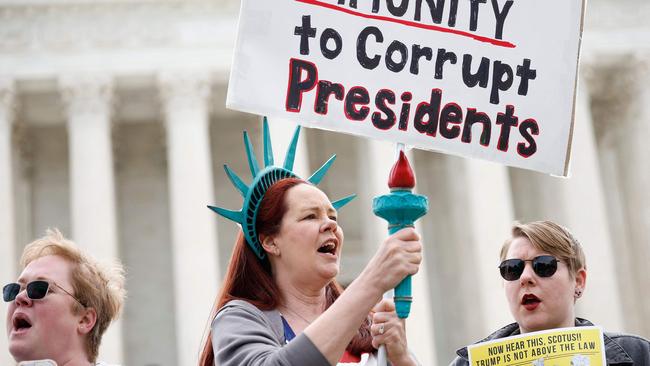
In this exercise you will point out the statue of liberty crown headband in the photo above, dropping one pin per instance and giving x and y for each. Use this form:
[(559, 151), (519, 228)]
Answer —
[(263, 179)]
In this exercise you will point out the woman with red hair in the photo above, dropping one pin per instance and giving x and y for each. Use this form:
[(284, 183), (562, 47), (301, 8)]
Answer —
[(286, 308)]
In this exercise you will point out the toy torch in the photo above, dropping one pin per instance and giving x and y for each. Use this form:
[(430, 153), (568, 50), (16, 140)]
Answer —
[(401, 207)]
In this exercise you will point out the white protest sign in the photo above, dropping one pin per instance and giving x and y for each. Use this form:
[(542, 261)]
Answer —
[(489, 79)]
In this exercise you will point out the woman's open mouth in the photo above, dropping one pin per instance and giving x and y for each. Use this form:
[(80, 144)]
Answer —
[(21, 323), (530, 302), (328, 247)]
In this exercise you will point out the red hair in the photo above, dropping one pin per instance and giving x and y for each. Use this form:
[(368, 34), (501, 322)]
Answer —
[(249, 278)]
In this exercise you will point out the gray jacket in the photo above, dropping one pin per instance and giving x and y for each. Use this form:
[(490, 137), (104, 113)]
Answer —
[(620, 349), (243, 335)]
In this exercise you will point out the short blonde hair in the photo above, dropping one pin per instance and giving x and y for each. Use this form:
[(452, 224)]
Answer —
[(96, 285), (551, 238)]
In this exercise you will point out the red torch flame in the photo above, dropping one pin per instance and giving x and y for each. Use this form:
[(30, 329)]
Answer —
[(401, 175)]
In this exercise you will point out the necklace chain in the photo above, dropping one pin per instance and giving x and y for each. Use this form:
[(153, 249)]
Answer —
[(298, 315)]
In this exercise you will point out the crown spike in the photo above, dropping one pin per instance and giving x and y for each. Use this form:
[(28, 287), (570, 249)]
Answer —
[(320, 173), (343, 201), (268, 148), (235, 216), (252, 160), (291, 151), (236, 181)]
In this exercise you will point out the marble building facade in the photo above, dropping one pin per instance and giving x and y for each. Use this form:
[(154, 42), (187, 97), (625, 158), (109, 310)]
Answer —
[(113, 129)]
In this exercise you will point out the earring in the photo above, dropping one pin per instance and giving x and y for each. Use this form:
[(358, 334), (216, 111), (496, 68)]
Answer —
[(578, 293), (275, 250)]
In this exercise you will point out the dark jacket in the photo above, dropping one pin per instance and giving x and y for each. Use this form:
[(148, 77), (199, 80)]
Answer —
[(620, 349)]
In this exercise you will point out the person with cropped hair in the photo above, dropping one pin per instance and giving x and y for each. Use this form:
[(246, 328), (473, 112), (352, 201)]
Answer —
[(62, 303), (544, 273)]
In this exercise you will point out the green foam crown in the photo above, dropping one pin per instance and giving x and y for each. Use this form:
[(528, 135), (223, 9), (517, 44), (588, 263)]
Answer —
[(263, 179)]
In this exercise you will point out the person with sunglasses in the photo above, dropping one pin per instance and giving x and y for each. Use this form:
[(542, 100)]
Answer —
[(61, 304), (545, 273)]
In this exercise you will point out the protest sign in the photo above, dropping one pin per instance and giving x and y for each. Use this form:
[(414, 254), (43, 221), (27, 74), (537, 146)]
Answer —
[(579, 346), (489, 79)]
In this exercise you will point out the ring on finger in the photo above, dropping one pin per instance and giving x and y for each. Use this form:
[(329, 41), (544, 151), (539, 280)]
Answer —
[(381, 328)]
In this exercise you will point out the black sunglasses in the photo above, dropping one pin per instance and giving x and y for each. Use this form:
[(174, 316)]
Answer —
[(543, 265), (36, 290)]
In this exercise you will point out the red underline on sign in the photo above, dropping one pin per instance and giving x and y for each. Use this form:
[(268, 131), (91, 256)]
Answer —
[(436, 28)]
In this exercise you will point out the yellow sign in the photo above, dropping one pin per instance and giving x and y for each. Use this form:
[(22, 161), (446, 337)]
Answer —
[(579, 346)]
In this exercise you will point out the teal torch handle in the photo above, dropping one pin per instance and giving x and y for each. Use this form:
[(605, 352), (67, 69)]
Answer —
[(401, 208), (403, 296)]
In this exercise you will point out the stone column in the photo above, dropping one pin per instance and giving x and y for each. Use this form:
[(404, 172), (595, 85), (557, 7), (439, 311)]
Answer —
[(376, 163), (193, 226), (469, 216), (7, 222), (578, 202), (634, 178), (589, 221), (88, 102), (622, 123), (489, 219)]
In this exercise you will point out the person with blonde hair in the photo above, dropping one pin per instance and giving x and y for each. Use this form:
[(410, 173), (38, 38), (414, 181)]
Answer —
[(545, 273), (62, 303)]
